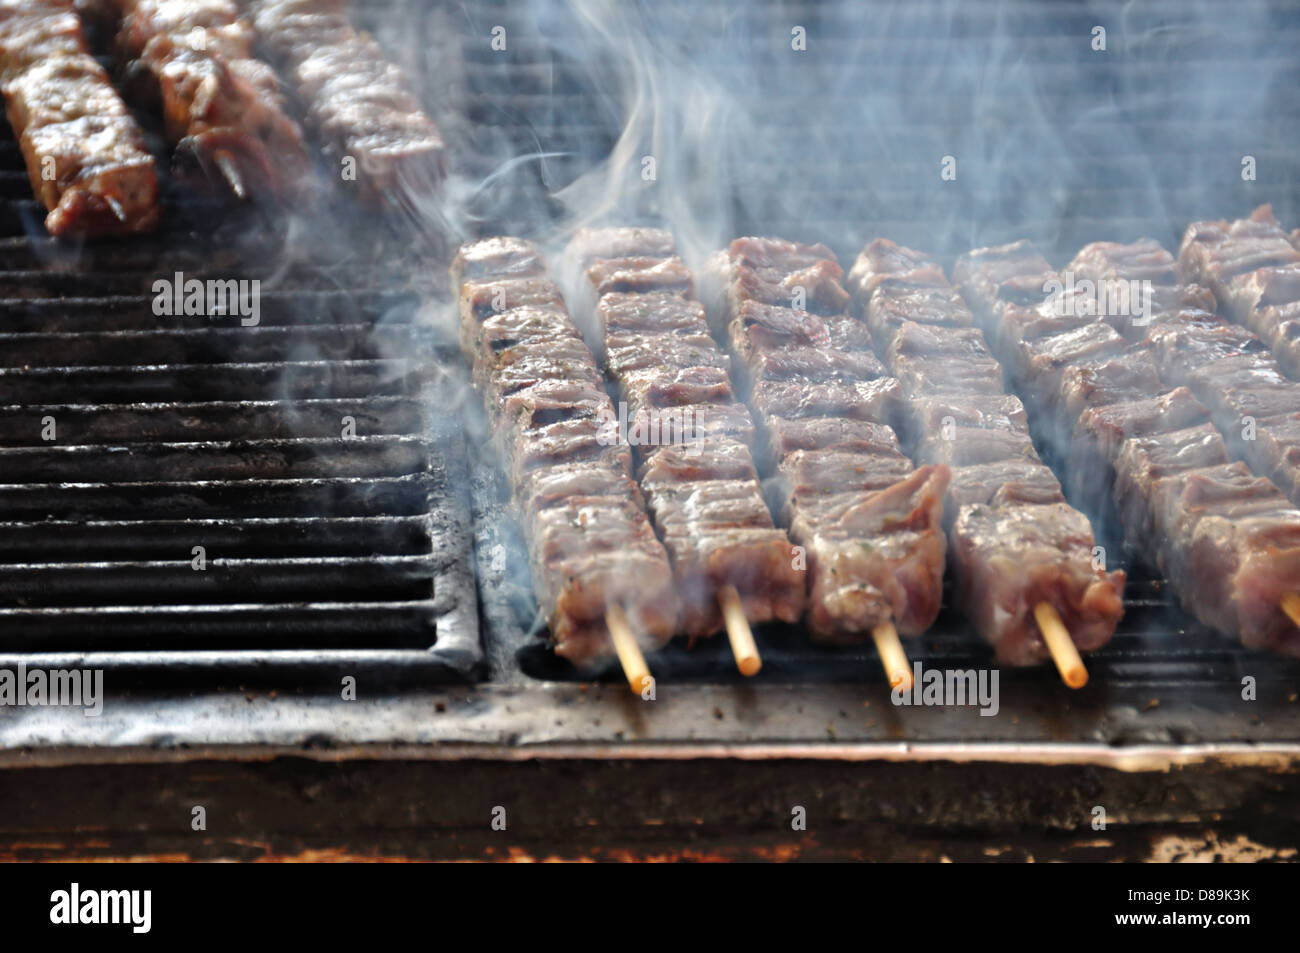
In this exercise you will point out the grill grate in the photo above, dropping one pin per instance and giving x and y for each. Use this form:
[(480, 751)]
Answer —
[(323, 553), (1053, 140), (1121, 149)]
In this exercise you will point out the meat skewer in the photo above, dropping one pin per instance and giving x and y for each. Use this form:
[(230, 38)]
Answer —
[(84, 152), (1233, 373), (1229, 369), (870, 522), (220, 105), (691, 437), (357, 102), (1254, 271), (1022, 556), (598, 570), (1227, 541)]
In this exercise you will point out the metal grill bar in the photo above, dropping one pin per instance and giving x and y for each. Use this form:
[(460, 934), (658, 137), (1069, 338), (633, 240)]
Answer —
[(300, 453)]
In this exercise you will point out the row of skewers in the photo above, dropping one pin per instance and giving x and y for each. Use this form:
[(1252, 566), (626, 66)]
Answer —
[(889, 422), (193, 66)]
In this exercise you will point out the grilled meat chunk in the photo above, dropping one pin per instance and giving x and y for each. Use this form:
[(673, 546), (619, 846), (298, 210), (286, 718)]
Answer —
[(1254, 272), (357, 102), (1009, 558), (220, 105), (85, 154)]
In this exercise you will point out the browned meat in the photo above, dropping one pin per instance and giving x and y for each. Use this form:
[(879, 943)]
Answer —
[(1114, 267), (930, 417), (640, 275), (1179, 498), (943, 362), (1003, 482), (774, 272), (358, 102), (590, 541), (874, 400), (911, 298), (968, 446), (1254, 272), (703, 492), (1231, 534), (506, 329), (1103, 427), (220, 105), (876, 556), (497, 258), (785, 436), (1143, 260), (84, 152), (1014, 541), (481, 298), (591, 245), (869, 521), (1231, 370), (1012, 557)]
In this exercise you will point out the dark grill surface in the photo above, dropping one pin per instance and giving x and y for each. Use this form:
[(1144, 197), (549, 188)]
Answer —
[(325, 552)]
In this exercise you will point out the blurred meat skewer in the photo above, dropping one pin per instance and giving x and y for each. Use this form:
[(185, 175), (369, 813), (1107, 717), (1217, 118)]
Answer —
[(85, 154)]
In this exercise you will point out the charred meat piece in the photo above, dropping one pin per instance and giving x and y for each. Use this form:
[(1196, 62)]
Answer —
[(699, 480), (867, 518), (590, 541), (357, 102), (1143, 260), (85, 154), (221, 107)]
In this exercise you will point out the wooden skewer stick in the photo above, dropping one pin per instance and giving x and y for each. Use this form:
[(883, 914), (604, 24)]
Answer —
[(892, 656), (1291, 606), (629, 653), (1064, 652), (738, 631), (230, 172)]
